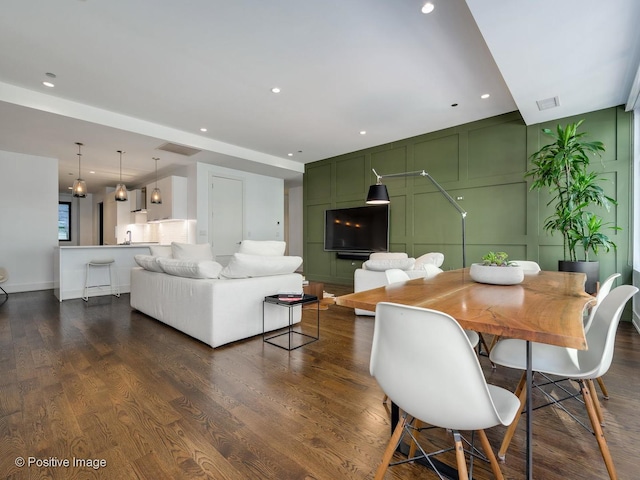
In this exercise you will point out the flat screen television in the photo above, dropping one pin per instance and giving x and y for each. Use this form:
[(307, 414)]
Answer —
[(357, 229)]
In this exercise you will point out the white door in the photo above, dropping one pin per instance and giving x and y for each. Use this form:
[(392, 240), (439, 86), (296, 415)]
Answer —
[(226, 216)]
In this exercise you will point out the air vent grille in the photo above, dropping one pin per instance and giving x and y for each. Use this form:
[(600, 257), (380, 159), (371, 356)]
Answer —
[(179, 149), (548, 103)]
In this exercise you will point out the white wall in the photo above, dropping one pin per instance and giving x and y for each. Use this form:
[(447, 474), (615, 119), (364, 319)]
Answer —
[(263, 202), (295, 221), (81, 219), (635, 198), (29, 219)]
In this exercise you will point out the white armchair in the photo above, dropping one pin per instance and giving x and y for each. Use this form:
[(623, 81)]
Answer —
[(372, 275)]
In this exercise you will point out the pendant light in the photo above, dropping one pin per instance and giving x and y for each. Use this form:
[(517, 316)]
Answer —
[(156, 197), (79, 188), (121, 190)]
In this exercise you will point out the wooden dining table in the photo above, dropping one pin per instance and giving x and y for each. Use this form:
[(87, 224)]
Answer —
[(547, 307)]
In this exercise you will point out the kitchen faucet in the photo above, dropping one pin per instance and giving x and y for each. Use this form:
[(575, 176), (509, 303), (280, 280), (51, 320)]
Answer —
[(128, 242)]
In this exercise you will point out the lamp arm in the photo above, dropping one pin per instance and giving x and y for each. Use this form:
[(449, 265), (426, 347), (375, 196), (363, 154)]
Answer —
[(447, 196), (455, 204)]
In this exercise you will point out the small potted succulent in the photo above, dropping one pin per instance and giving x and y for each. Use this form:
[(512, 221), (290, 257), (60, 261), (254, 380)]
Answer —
[(496, 269)]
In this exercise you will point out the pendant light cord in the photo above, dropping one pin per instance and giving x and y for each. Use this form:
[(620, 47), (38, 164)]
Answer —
[(79, 157), (120, 152)]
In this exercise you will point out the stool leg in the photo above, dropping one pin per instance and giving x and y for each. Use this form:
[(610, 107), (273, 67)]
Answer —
[(85, 292), (117, 284)]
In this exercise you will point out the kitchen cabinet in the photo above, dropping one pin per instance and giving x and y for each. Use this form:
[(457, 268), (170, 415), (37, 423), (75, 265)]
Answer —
[(174, 199), (114, 214)]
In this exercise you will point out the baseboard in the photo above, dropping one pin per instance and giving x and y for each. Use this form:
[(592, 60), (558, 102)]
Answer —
[(27, 287)]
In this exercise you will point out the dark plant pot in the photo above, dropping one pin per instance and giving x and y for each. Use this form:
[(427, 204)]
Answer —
[(592, 269)]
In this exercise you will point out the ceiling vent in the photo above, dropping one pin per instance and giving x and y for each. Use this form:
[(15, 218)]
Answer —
[(179, 149), (548, 103)]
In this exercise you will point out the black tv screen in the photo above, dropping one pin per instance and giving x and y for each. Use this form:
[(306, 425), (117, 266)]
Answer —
[(358, 229)]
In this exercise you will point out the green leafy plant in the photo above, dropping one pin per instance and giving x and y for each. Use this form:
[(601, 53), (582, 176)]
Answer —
[(562, 167), (591, 237), (497, 259)]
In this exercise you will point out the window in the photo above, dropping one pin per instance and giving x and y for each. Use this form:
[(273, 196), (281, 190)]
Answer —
[(64, 221)]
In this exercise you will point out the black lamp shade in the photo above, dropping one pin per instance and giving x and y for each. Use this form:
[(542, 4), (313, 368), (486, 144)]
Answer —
[(378, 195)]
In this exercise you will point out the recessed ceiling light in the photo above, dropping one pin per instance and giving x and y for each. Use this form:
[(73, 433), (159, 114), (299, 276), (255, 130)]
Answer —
[(363, 132), (290, 154), (203, 129), (485, 95), (428, 8), (275, 90), (92, 171), (48, 84)]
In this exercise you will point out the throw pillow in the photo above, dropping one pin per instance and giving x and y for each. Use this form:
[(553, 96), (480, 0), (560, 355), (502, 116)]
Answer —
[(160, 250), (191, 251), (262, 247), (382, 265), (148, 262), (190, 268), (433, 258), (242, 265)]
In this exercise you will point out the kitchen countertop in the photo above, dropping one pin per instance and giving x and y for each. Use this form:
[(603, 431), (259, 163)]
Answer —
[(145, 244)]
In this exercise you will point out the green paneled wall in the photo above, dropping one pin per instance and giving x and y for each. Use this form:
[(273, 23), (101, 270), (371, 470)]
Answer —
[(480, 164)]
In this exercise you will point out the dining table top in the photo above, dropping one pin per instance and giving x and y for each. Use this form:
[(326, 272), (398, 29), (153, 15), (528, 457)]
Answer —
[(546, 307)]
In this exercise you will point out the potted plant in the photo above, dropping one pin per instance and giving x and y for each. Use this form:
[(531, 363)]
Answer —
[(496, 269), (563, 167)]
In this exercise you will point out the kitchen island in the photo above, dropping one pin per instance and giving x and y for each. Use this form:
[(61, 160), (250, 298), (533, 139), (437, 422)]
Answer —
[(70, 266)]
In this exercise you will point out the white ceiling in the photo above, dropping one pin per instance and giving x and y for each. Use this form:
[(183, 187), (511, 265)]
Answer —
[(133, 75)]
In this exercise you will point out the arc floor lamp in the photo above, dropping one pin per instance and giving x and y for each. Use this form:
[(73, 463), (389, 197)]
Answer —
[(378, 194)]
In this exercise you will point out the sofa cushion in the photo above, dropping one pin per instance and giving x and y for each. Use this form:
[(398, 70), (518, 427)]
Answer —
[(191, 251), (242, 265), (160, 250), (148, 262), (190, 268), (433, 258), (388, 256), (382, 265), (262, 247)]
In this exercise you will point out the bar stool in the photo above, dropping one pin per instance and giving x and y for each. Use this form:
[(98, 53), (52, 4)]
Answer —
[(97, 263)]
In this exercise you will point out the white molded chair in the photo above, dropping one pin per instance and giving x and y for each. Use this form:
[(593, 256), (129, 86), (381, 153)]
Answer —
[(528, 266), (4, 276), (395, 275), (582, 366), (412, 343), (603, 291)]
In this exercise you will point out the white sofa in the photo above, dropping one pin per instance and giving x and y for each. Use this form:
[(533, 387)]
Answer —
[(372, 275), (218, 310)]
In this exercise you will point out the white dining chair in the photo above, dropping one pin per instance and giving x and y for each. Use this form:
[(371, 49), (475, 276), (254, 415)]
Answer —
[(603, 291), (582, 366), (395, 275), (528, 266), (411, 342)]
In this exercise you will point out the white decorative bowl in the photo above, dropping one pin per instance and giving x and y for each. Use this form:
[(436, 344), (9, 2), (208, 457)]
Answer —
[(493, 275)]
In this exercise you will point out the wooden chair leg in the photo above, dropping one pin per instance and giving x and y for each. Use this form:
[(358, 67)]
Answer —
[(597, 429), (488, 451), (391, 448), (522, 396), (412, 446), (605, 393), (461, 461), (596, 402)]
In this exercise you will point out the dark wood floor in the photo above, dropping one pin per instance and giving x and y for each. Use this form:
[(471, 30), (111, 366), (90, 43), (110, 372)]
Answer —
[(103, 382)]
